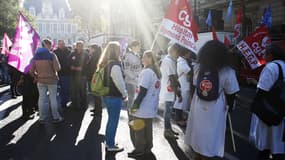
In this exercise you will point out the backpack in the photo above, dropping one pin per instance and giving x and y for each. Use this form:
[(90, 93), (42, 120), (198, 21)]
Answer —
[(97, 83), (270, 107), (208, 85)]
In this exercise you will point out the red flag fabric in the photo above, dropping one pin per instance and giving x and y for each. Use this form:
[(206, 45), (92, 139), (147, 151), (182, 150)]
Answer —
[(6, 43), (214, 33), (179, 25), (226, 41), (237, 27), (253, 47), (26, 41)]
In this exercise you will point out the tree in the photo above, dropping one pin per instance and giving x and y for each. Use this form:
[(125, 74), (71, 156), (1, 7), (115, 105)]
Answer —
[(87, 15), (9, 15)]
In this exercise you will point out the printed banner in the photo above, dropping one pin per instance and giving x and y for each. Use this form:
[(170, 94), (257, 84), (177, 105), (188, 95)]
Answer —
[(253, 47), (179, 26), (26, 41)]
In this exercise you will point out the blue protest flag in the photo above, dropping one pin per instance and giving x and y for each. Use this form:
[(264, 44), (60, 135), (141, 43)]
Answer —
[(229, 11), (267, 18), (209, 19)]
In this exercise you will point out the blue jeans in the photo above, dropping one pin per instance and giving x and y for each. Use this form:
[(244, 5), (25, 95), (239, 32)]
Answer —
[(64, 91), (167, 114), (46, 98), (114, 105)]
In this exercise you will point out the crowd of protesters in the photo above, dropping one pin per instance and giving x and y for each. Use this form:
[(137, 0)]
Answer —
[(139, 82)]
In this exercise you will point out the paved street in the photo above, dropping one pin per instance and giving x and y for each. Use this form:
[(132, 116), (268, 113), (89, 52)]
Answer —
[(81, 136)]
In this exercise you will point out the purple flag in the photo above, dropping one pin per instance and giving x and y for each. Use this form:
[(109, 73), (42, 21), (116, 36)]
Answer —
[(26, 41)]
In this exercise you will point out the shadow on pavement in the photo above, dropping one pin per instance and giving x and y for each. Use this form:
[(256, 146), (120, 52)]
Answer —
[(5, 113), (53, 141), (177, 150)]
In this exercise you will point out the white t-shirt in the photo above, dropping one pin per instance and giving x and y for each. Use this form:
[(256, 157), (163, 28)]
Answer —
[(132, 67), (167, 68), (182, 70), (149, 105), (206, 126), (268, 137)]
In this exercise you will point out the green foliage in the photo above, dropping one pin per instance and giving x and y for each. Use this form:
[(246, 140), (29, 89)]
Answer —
[(9, 10), (87, 15), (8, 17)]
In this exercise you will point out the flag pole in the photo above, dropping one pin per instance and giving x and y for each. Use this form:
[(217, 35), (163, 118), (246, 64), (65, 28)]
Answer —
[(155, 38), (231, 130)]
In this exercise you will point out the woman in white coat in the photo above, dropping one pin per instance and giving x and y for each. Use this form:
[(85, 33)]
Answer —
[(206, 126), (183, 72), (268, 140)]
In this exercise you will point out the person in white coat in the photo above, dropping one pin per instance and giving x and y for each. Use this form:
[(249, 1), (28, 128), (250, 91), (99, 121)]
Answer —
[(183, 72), (268, 140), (206, 126), (170, 88)]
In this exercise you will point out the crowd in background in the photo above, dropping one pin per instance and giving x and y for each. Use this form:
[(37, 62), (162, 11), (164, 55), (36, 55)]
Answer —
[(60, 79)]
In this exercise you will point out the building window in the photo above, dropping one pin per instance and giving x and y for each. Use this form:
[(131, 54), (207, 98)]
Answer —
[(69, 28), (48, 28), (32, 11), (54, 28), (43, 28), (73, 28), (61, 13), (40, 27), (62, 27)]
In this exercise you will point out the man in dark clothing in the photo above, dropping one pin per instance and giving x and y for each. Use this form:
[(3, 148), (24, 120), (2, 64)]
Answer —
[(95, 53), (15, 77), (78, 64), (30, 96), (63, 54)]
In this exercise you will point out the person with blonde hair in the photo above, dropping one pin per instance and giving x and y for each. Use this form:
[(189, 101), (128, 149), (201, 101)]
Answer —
[(113, 78), (145, 105)]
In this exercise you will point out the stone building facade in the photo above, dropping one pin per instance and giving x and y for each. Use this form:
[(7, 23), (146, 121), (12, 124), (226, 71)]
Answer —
[(53, 19)]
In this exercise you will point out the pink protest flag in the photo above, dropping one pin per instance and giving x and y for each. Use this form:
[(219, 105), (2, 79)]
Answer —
[(26, 41), (6, 43), (179, 25)]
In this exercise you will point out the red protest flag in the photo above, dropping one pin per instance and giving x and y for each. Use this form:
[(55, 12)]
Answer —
[(6, 43), (253, 47), (214, 33), (226, 41), (237, 27), (179, 25)]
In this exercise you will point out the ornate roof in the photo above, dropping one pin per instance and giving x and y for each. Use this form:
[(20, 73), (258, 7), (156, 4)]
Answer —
[(56, 6)]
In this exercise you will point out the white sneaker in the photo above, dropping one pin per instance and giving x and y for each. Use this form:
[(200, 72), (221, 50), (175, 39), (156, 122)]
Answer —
[(115, 149)]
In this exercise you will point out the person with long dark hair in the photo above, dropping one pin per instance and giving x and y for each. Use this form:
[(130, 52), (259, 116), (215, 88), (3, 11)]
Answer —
[(206, 126), (268, 140)]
